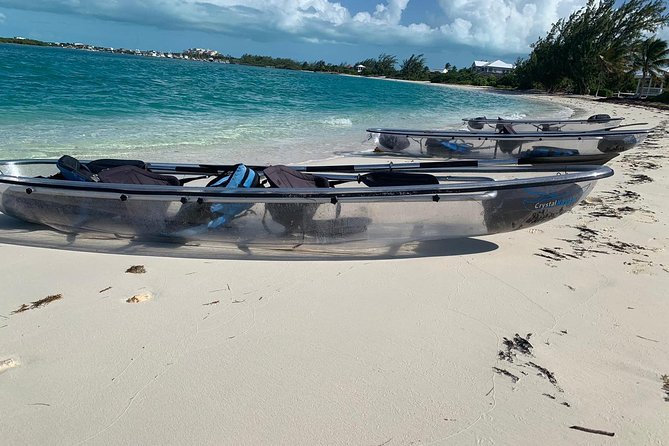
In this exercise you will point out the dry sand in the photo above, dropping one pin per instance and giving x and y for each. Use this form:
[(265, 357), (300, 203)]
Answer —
[(509, 340)]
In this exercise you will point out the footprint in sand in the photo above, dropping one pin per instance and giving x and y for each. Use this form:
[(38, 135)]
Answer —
[(7, 364), (138, 298)]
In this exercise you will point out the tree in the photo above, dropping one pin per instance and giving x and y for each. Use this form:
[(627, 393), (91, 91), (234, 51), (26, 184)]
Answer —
[(385, 65), (614, 63), (650, 56), (595, 38), (320, 65), (414, 68)]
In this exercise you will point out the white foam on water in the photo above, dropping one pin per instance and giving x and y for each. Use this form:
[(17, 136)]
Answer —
[(337, 122), (515, 116)]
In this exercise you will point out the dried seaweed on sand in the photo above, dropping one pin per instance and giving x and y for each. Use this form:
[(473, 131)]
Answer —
[(38, 303)]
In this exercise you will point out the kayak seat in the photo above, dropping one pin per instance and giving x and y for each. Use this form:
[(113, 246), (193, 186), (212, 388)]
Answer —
[(112, 171), (71, 169), (293, 216), (477, 123), (135, 175), (506, 146), (284, 176), (393, 143), (504, 127), (602, 117), (102, 164), (299, 217)]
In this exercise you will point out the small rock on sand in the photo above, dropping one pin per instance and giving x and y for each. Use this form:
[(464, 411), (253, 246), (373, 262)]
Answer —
[(136, 269), (6, 364), (141, 297)]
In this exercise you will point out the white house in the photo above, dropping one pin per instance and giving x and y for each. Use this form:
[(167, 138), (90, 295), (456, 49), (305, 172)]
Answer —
[(498, 67), (359, 68), (650, 86)]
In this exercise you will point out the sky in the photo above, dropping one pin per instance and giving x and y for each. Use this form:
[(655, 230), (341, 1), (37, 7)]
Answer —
[(454, 31)]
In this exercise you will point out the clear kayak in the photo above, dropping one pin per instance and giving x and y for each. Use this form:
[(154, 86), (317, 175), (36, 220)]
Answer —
[(369, 205), (595, 122), (596, 147)]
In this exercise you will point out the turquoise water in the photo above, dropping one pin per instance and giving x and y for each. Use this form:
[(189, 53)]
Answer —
[(88, 104)]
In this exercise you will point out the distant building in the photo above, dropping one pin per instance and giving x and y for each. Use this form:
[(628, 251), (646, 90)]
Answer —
[(650, 85), (496, 68), (359, 68)]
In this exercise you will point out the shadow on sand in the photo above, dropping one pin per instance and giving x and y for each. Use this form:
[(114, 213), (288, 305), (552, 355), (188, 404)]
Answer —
[(16, 232)]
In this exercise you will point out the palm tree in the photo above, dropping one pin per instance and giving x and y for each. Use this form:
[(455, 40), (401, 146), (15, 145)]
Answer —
[(613, 61), (650, 57)]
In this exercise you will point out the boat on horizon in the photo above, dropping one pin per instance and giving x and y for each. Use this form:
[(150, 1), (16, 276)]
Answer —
[(596, 147), (369, 206)]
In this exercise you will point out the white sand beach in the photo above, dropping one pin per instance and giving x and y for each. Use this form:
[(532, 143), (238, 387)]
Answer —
[(510, 339)]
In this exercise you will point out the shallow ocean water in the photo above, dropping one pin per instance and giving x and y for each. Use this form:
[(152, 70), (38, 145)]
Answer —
[(90, 105)]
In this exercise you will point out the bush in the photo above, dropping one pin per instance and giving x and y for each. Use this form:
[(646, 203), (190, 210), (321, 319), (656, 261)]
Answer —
[(664, 98), (605, 93), (565, 85)]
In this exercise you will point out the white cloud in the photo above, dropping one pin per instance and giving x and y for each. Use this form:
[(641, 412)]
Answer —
[(2, 18), (503, 24), (507, 26)]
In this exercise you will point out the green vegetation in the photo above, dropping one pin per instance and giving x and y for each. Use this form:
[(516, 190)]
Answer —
[(21, 41), (650, 56), (663, 98), (289, 64), (467, 76), (414, 68), (383, 66), (593, 48)]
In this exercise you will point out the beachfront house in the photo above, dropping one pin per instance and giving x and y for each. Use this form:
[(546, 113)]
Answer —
[(359, 68), (495, 68), (650, 85)]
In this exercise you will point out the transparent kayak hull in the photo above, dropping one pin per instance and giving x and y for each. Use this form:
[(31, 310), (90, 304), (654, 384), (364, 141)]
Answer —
[(597, 147), (542, 125), (464, 203)]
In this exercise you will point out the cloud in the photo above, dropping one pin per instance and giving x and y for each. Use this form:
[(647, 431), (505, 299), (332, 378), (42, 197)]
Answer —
[(507, 26), (502, 24), (2, 18)]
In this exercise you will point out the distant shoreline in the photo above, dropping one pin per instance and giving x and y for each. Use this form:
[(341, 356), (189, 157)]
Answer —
[(539, 96), (201, 55)]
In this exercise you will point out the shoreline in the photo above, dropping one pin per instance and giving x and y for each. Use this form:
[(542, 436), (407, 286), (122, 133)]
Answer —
[(559, 325), (578, 112)]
